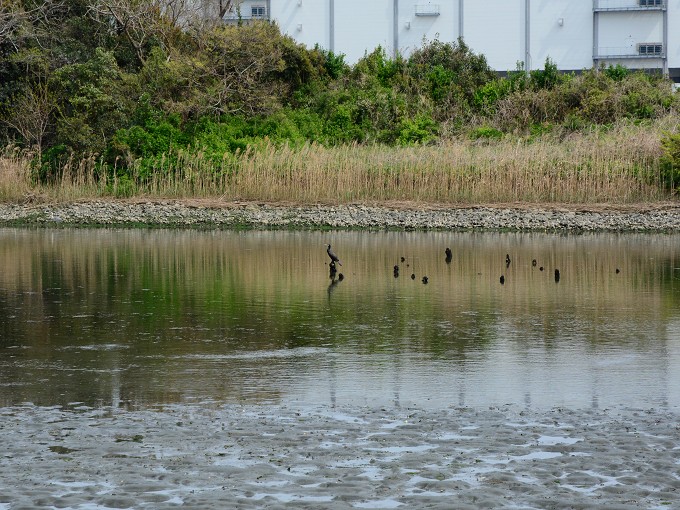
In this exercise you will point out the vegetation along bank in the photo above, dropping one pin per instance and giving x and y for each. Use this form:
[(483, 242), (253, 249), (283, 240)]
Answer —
[(102, 98)]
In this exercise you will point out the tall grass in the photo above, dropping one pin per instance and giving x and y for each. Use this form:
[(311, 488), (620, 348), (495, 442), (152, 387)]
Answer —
[(621, 165)]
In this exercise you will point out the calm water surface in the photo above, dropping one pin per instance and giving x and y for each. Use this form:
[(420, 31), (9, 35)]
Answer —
[(139, 318)]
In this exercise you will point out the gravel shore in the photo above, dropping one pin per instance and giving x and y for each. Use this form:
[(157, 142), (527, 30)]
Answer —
[(212, 214)]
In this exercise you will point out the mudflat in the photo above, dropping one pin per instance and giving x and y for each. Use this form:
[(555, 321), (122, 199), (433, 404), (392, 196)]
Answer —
[(282, 456)]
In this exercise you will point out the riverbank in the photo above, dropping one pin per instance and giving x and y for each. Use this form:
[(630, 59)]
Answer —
[(658, 217), (282, 456)]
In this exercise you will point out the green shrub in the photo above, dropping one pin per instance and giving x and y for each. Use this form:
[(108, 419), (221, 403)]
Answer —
[(333, 63), (94, 101), (537, 130), (377, 66), (420, 130), (547, 78), (486, 133), (487, 96), (617, 72)]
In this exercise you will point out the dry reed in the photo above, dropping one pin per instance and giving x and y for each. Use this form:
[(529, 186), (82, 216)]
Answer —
[(619, 166)]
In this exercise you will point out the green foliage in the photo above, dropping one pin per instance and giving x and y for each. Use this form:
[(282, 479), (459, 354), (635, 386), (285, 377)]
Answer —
[(420, 130), (52, 160), (538, 130), (670, 160), (439, 80), (547, 78), (333, 63), (487, 96), (617, 72), (486, 133), (377, 66), (94, 103), (449, 76)]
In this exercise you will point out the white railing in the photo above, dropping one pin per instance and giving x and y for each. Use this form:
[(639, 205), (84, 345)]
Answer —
[(427, 10), (626, 51), (628, 4)]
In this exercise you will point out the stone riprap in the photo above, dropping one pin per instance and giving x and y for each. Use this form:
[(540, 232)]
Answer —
[(663, 218)]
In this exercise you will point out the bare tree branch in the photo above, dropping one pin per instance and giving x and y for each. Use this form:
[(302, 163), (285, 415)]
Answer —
[(30, 114)]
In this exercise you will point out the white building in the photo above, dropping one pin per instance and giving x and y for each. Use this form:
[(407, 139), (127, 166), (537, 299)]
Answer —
[(574, 34)]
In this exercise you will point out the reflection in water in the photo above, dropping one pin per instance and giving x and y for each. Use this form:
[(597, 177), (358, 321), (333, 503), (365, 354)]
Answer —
[(145, 317)]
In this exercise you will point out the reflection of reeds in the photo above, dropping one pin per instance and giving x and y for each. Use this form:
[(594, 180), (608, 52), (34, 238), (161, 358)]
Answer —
[(619, 166), (217, 276)]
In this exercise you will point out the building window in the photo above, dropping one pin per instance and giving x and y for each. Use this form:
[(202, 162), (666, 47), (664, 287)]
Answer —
[(650, 49), (650, 3), (258, 11)]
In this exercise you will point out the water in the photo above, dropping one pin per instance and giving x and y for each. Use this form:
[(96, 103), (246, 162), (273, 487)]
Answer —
[(141, 318)]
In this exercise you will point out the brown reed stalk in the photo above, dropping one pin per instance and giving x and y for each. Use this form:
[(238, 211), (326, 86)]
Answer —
[(15, 173), (618, 166)]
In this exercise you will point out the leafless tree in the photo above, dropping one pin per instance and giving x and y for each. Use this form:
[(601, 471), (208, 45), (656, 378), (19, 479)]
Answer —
[(237, 70), (218, 9), (30, 114), (135, 19), (16, 19), (140, 20)]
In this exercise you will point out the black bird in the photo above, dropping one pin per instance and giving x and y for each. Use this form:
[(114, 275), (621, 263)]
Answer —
[(413, 276), (533, 263), (403, 259), (557, 275), (502, 280), (449, 255), (424, 279), (507, 260), (618, 270), (396, 271), (540, 268), (333, 256), (341, 277)]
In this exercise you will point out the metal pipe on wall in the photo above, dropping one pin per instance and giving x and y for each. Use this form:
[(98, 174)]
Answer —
[(596, 36), (461, 12), (665, 41), (395, 28), (527, 35), (331, 26)]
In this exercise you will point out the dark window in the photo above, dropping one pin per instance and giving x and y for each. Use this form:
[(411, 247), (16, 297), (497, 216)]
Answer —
[(650, 48)]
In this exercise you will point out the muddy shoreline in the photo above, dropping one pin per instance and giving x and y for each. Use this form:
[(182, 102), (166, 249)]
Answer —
[(663, 217), (282, 456)]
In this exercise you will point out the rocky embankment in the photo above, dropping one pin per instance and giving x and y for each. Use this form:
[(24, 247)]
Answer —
[(657, 218)]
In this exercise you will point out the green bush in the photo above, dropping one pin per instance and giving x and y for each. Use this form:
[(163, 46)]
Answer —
[(617, 72), (547, 78), (486, 133), (94, 101), (420, 130), (334, 63)]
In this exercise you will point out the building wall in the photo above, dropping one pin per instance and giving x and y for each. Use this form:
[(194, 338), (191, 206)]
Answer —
[(495, 28), (561, 30), (412, 28), (673, 50), (366, 20), (307, 22)]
